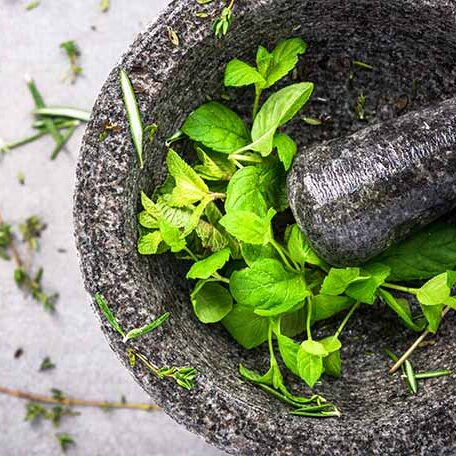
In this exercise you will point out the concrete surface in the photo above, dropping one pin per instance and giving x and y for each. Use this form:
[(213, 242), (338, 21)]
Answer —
[(86, 368)]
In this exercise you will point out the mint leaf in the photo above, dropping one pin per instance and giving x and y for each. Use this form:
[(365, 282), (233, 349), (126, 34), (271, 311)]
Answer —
[(147, 221), (294, 323), (314, 348), (366, 290), (150, 207), (435, 291), (266, 284), (423, 255), (149, 244), (210, 236), (203, 269), (286, 149), (252, 253), (326, 306), (310, 367), (272, 183), (239, 73), (249, 227), (331, 344), (288, 351), (247, 328), (189, 188), (433, 315), (284, 59), (278, 109), (402, 309), (332, 364), (338, 280), (242, 192), (299, 249), (263, 60), (217, 127), (172, 236), (215, 166), (211, 302), (176, 216)]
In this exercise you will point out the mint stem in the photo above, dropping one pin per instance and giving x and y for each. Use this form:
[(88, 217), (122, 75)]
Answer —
[(309, 318), (256, 103), (245, 158), (345, 320), (281, 252), (400, 288)]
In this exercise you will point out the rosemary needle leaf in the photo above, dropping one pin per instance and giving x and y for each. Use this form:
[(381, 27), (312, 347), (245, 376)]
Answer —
[(65, 440), (102, 303), (139, 332), (66, 138), (39, 104), (133, 115), (431, 374), (32, 5), (63, 111), (410, 376)]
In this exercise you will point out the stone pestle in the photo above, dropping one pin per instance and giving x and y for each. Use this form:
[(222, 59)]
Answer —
[(355, 196)]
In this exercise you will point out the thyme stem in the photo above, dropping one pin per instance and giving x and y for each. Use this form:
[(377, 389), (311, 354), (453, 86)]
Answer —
[(75, 402), (13, 249), (413, 347)]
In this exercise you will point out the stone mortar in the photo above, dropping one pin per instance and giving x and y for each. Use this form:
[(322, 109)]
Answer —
[(405, 40)]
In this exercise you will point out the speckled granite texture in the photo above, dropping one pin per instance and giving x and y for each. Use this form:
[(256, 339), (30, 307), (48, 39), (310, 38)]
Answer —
[(356, 195), (404, 40)]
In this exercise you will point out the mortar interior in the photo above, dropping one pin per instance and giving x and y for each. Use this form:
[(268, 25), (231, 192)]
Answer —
[(404, 42)]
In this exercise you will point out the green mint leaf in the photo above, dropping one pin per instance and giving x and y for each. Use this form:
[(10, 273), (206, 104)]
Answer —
[(326, 306), (217, 127), (103, 305), (338, 280), (196, 216), (272, 183), (133, 115), (242, 193), (210, 236), (451, 279), (177, 217), (289, 351), (266, 284), (332, 364), (310, 367), (294, 323), (314, 348), (189, 188), (203, 269), (215, 166), (211, 302), (366, 290), (435, 291), (280, 309), (286, 149), (423, 255), (252, 376), (247, 328), (172, 236), (149, 244), (252, 253), (249, 227), (239, 73), (433, 315), (331, 344), (284, 59), (299, 249), (146, 329), (402, 309), (150, 207), (147, 221), (278, 109)]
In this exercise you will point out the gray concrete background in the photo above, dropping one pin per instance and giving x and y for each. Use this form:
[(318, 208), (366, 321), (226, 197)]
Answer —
[(86, 368)]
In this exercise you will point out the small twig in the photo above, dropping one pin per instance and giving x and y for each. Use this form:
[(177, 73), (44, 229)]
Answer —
[(413, 347), (75, 402), (13, 249)]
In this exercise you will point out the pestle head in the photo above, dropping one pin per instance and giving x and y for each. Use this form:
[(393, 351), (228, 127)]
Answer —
[(355, 196)]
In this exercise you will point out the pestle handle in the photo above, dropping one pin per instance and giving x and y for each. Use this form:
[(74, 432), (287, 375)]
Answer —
[(355, 196)]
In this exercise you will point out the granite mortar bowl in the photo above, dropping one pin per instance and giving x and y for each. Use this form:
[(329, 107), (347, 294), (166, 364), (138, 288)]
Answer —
[(405, 41)]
